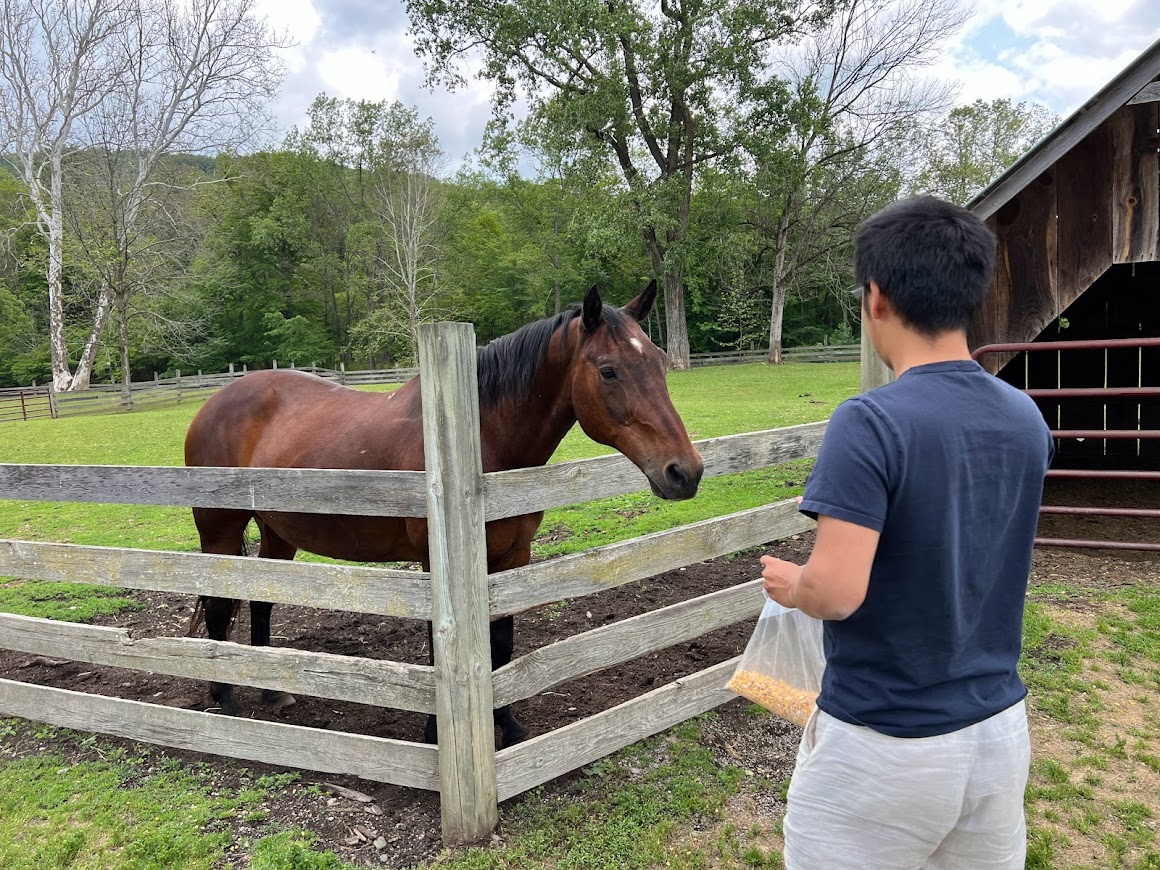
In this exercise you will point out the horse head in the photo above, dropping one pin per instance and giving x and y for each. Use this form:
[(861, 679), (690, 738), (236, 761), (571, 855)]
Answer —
[(621, 399)]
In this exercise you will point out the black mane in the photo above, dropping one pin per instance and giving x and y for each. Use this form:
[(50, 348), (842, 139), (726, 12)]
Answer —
[(507, 366)]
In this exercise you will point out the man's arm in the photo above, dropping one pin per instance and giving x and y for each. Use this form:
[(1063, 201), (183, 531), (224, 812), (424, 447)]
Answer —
[(832, 584)]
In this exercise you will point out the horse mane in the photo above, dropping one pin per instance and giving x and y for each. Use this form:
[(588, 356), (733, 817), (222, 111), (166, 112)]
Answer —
[(507, 366)]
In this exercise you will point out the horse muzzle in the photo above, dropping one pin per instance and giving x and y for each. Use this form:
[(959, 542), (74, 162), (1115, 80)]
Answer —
[(678, 481)]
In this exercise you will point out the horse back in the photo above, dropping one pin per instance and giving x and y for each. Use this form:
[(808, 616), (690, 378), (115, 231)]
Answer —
[(284, 418)]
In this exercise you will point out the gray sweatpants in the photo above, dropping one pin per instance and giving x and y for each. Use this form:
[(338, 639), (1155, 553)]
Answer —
[(860, 799)]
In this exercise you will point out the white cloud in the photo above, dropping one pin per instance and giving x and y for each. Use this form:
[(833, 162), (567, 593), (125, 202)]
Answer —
[(358, 73), (297, 19)]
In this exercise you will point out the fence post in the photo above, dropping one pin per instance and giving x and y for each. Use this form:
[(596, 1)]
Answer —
[(231, 370), (275, 364), (874, 372), (52, 409), (459, 600), (342, 373), (23, 410)]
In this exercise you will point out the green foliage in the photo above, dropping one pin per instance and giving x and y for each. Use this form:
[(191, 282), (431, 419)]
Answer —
[(974, 144)]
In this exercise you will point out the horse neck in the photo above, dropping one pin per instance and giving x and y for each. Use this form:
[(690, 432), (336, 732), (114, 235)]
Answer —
[(524, 432)]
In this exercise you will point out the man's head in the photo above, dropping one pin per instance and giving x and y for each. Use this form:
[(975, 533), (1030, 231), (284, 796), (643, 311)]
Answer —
[(931, 260)]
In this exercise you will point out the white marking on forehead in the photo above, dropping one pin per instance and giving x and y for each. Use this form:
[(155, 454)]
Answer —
[(635, 342)]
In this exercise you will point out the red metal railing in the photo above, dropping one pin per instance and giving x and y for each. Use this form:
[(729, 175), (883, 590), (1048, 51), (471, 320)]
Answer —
[(1140, 392)]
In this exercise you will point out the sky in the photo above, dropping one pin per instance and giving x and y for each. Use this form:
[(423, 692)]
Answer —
[(1055, 52)]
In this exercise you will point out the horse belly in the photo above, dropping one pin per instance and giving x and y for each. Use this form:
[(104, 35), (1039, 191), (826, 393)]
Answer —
[(337, 536)]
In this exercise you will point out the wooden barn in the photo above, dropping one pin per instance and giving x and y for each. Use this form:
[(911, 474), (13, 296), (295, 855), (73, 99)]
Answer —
[(1078, 223)]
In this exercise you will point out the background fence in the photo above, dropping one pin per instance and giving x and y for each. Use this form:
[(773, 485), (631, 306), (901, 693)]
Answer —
[(25, 403), (457, 596)]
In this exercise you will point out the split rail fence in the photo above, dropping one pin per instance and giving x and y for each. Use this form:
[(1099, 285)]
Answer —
[(457, 595)]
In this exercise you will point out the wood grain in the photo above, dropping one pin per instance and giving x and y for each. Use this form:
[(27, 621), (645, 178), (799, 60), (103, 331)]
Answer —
[(300, 490), (323, 675), (374, 758), (459, 607), (550, 755), (607, 567), (384, 591), (526, 490), (609, 645)]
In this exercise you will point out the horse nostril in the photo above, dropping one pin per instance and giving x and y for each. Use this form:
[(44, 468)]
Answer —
[(676, 475)]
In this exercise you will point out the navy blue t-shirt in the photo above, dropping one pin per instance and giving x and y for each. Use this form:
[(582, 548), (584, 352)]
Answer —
[(947, 463)]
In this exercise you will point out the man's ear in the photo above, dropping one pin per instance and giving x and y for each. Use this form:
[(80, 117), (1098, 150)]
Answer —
[(593, 309), (876, 302)]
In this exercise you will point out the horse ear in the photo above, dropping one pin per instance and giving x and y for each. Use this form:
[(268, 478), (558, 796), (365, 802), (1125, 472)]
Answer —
[(639, 307), (593, 309)]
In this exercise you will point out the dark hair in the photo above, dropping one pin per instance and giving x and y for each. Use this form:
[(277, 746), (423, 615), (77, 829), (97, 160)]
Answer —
[(932, 259), (507, 366)]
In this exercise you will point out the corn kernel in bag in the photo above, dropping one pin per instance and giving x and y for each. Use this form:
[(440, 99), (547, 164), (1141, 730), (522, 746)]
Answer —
[(781, 668)]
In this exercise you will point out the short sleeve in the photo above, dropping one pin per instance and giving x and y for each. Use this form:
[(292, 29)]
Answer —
[(851, 480)]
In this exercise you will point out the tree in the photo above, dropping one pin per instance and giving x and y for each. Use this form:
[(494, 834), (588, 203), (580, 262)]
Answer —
[(134, 80), (852, 90), (58, 63), (645, 86), (974, 144)]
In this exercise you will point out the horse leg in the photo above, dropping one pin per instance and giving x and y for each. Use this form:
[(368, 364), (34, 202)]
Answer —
[(221, 531), (501, 633), (503, 639), (272, 547)]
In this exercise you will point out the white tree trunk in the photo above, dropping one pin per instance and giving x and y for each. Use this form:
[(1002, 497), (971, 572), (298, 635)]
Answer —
[(84, 371)]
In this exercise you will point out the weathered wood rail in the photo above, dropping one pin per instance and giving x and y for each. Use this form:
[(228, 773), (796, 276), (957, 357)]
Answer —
[(456, 595)]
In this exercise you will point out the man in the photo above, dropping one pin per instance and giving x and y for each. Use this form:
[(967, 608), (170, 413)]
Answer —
[(927, 493)]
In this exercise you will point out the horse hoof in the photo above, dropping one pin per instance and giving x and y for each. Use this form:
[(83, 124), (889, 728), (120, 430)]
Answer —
[(229, 708), (431, 732), (280, 700)]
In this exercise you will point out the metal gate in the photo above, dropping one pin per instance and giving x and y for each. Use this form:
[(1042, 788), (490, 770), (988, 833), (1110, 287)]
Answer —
[(1061, 434)]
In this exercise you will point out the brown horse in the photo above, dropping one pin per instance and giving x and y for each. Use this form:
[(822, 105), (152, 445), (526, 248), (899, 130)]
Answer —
[(593, 365)]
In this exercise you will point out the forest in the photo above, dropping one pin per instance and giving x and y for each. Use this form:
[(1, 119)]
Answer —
[(153, 217)]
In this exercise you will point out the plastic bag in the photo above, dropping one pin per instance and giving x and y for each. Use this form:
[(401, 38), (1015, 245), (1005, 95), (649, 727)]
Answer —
[(781, 668)]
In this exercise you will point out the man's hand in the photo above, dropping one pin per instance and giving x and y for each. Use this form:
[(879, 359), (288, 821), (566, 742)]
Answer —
[(781, 579), (833, 582)]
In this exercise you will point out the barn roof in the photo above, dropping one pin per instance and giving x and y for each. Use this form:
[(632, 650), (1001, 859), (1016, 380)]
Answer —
[(1136, 84)]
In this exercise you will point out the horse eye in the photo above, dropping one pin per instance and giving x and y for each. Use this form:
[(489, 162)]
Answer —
[(608, 374)]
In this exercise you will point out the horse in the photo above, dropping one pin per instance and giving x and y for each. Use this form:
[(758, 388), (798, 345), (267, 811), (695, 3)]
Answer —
[(591, 364)]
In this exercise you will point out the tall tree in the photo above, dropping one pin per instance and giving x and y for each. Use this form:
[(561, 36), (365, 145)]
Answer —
[(646, 85), (199, 78), (58, 64), (136, 80), (973, 144), (853, 89)]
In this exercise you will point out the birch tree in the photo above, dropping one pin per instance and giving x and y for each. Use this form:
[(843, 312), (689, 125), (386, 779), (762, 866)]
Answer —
[(407, 164), (199, 78), (58, 64)]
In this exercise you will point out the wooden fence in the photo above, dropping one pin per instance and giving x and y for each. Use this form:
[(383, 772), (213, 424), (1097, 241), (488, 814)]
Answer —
[(815, 353), (457, 596)]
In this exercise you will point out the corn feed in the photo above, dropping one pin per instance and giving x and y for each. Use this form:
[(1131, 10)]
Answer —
[(792, 704)]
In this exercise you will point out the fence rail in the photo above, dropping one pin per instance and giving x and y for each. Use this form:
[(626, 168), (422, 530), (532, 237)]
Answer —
[(804, 353), (457, 596)]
